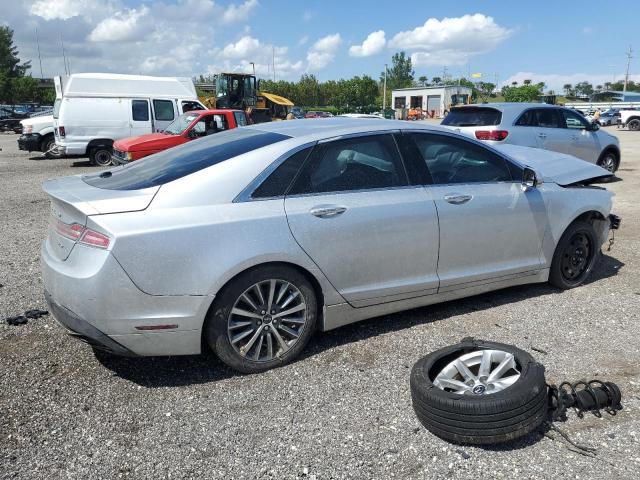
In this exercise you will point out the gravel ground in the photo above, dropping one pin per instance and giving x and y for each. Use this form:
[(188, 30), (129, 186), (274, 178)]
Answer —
[(341, 411)]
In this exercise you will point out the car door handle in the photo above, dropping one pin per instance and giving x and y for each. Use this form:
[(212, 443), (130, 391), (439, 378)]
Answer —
[(457, 199), (542, 135), (327, 211)]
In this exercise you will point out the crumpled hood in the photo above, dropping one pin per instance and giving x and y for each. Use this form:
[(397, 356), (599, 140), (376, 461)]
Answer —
[(553, 166), (149, 141)]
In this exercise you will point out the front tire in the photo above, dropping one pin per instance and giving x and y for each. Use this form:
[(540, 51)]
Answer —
[(262, 319), (100, 156), (609, 161), (575, 256)]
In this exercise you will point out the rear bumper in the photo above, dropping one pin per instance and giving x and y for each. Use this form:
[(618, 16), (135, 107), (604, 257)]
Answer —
[(92, 296), (29, 142), (83, 330)]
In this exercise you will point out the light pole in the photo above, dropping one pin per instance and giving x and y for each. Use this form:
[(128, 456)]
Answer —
[(384, 90)]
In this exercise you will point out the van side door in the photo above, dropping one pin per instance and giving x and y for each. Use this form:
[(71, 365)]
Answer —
[(140, 117), (164, 112)]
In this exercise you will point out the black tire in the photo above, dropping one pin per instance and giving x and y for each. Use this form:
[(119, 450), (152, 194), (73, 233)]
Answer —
[(215, 329), (559, 272), (634, 124), (47, 144), (479, 419), (609, 161), (100, 156)]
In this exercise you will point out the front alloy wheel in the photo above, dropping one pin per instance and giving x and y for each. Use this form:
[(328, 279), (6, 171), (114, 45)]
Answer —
[(267, 320), (609, 162)]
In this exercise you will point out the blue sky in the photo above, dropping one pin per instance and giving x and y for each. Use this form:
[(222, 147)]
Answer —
[(554, 42)]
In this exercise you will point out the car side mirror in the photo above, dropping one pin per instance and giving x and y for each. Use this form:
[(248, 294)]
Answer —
[(529, 179), (593, 126)]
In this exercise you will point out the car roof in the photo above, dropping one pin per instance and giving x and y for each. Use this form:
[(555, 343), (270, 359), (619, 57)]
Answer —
[(509, 106), (316, 129)]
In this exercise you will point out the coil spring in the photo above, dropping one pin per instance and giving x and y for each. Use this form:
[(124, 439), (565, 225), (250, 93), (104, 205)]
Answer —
[(566, 395)]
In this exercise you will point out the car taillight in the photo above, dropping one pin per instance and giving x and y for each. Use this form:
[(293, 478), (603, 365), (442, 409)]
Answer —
[(86, 236), (496, 135), (94, 239), (61, 132)]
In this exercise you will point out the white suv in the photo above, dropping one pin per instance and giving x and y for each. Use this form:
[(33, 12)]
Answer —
[(630, 119), (537, 125)]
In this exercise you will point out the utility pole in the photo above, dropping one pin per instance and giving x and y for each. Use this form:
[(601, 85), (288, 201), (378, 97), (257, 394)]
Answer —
[(64, 57), (254, 68), (273, 53), (39, 57), (626, 75), (384, 90)]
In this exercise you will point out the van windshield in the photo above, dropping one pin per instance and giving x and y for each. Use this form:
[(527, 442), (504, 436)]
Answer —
[(178, 162), (56, 107)]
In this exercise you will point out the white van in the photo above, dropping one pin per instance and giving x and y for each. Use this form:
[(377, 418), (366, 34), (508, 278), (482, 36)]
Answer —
[(92, 110)]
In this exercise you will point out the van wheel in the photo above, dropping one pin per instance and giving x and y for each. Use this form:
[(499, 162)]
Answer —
[(100, 156)]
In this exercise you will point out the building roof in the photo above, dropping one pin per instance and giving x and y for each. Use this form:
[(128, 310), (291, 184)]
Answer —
[(430, 88)]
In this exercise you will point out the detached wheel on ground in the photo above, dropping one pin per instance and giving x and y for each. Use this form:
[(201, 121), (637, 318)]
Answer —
[(479, 392), (262, 319), (100, 156), (575, 256), (47, 144)]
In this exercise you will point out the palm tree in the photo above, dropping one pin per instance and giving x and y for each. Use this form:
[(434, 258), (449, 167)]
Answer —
[(567, 89), (527, 82), (598, 87), (514, 83), (423, 80)]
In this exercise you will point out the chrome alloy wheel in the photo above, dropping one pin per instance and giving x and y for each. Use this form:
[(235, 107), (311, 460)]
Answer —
[(267, 320), (609, 162), (482, 372)]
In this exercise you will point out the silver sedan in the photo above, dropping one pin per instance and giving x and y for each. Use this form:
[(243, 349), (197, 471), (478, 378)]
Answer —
[(250, 240)]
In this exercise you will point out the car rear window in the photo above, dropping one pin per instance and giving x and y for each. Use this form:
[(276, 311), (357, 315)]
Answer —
[(183, 160), (472, 117)]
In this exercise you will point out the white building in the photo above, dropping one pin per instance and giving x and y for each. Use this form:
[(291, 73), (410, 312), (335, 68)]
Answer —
[(433, 101)]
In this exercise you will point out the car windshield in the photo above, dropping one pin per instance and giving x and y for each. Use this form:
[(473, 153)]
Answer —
[(473, 117), (183, 160), (180, 124)]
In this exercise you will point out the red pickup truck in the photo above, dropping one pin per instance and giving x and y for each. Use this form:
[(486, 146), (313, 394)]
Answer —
[(188, 126)]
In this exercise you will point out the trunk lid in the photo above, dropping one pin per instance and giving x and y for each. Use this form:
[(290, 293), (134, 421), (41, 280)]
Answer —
[(73, 200), (554, 166)]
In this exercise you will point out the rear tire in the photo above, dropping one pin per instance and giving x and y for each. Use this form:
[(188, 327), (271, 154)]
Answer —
[(257, 346), (100, 156), (634, 124), (479, 416), (575, 256)]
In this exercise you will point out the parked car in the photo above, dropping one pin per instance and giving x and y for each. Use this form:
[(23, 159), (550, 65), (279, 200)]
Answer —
[(97, 109), (315, 114), (297, 112), (37, 135), (361, 115), (250, 240), (10, 120), (630, 119), (188, 126), (537, 125)]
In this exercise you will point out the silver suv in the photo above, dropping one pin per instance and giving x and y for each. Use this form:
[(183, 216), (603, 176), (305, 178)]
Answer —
[(537, 125)]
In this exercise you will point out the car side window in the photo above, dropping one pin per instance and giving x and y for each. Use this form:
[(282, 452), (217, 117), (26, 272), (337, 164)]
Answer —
[(163, 110), (140, 110), (573, 120), (453, 160), (188, 106), (241, 118), (352, 164), (278, 182), (206, 126), (540, 117)]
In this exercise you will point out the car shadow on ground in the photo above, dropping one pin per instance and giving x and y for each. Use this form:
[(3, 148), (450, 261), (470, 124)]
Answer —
[(178, 371)]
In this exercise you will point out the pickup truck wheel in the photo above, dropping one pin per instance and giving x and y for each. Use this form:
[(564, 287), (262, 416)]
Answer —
[(634, 124), (478, 392), (100, 156), (575, 256)]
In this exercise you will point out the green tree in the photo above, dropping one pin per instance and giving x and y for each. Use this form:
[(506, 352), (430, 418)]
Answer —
[(527, 82), (583, 88), (423, 80), (567, 89), (436, 80), (523, 93), (9, 62), (400, 74)]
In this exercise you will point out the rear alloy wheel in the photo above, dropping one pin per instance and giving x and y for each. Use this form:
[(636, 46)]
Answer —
[(100, 156), (609, 161), (479, 392), (634, 124), (262, 319), (575, 256)]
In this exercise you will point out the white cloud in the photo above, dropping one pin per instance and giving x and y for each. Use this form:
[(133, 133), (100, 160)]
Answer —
[(451, 41), (239, 13), (555, 81), (65, 9), (303, 40), (374, 43), (123, 26), (323, 52)]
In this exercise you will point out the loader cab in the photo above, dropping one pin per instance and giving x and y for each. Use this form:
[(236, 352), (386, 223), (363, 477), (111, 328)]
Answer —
[(235, 90)]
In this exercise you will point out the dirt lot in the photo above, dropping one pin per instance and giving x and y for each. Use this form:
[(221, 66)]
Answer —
[(341, 411)]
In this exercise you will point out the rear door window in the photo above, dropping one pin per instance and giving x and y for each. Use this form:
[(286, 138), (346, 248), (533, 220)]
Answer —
[(163, 110), (183, 160), (278, 182), (472, 117), (540, 117)]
